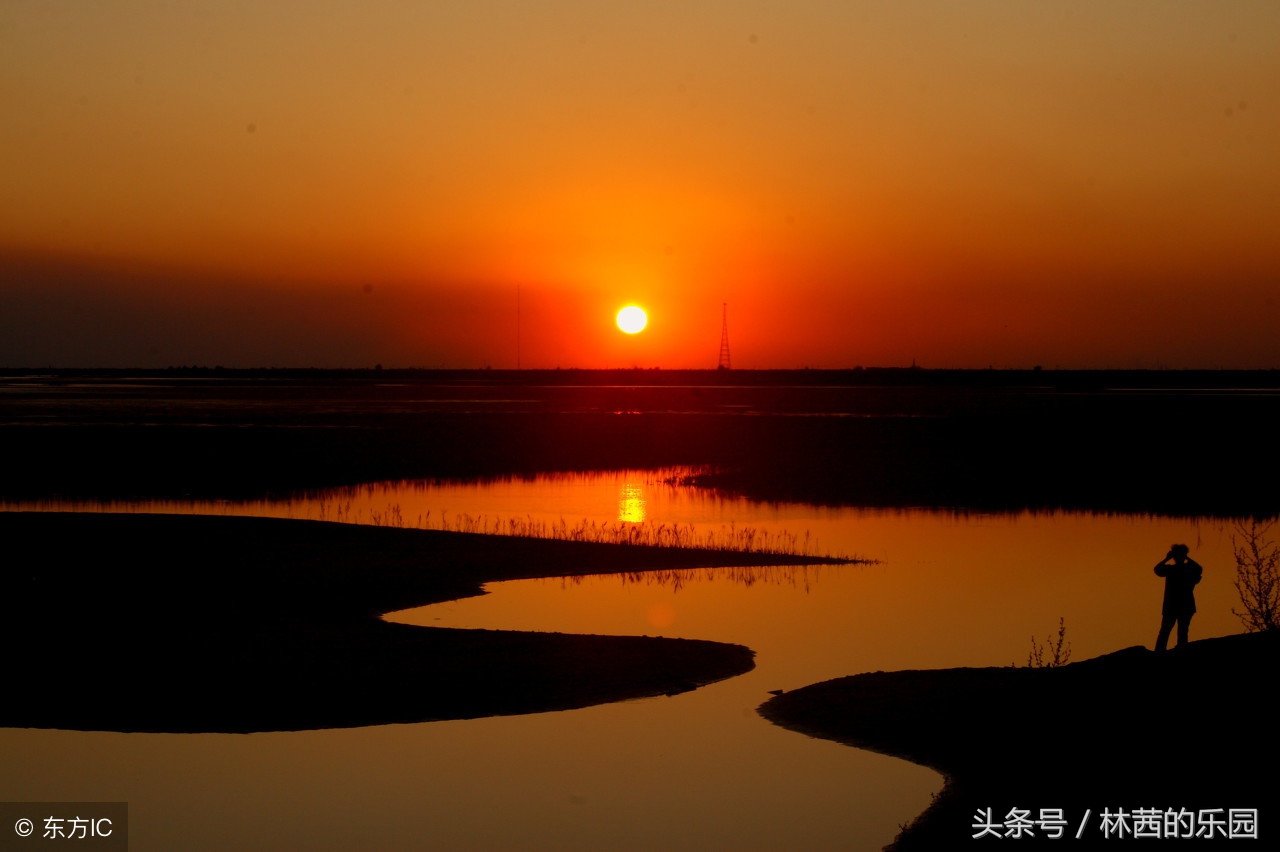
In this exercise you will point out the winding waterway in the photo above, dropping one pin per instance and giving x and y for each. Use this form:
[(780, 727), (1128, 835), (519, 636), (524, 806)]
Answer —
[(699, 770)]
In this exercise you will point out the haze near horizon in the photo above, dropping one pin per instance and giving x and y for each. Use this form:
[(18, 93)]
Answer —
[(487, 184)]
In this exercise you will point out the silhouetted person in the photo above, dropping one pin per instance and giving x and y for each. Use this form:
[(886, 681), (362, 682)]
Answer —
[(1181, 573)]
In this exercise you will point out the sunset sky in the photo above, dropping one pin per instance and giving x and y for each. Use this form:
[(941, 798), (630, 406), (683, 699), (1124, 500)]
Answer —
[(465, 184)]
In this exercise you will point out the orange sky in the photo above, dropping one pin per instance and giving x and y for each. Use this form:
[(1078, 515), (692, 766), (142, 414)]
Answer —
[(334, 184)]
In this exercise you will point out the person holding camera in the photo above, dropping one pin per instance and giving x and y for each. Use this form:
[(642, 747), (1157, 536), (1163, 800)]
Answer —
[(1181, 573)]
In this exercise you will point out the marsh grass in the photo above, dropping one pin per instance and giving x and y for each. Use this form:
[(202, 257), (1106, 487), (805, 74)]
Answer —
[(676, 579), (368, 504), (730, 537)]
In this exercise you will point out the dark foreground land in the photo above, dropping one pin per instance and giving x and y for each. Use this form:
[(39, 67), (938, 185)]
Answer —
[(185, 624), (147, 623), (1192, 728)]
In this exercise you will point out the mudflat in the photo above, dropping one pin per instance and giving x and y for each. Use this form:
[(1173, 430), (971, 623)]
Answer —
[(198, 624), (1186, 729)]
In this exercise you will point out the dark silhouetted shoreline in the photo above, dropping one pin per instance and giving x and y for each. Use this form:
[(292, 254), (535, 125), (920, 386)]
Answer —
[(153, 623), (193, 624), (1189, 728), (1147, 442)]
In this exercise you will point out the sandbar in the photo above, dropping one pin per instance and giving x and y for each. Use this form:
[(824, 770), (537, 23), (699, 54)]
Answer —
[(166, 623)]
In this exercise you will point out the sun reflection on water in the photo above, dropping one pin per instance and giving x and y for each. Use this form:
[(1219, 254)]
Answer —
[(632, 507)]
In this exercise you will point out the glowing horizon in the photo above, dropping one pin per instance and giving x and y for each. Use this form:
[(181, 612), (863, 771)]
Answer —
[(985, 184)]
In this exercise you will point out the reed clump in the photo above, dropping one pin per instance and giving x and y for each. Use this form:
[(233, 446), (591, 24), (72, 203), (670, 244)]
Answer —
[(730, 537), (676, 579)]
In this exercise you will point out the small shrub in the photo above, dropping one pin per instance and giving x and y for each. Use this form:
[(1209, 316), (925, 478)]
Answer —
[(1257, 576), (1053, 653)]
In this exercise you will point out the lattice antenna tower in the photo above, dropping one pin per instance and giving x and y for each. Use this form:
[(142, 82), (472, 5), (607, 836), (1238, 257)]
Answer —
[(724, 340)]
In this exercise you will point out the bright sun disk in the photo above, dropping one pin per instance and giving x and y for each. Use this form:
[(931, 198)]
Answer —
[(632, 319)]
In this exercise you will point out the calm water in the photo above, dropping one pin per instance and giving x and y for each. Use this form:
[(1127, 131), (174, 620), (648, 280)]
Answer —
[(695, 771)]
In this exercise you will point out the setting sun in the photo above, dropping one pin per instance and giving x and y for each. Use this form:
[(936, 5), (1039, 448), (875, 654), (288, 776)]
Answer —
[(632, 319)]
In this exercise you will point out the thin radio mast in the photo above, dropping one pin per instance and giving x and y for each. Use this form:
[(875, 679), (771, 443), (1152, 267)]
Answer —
[(724, 340)]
